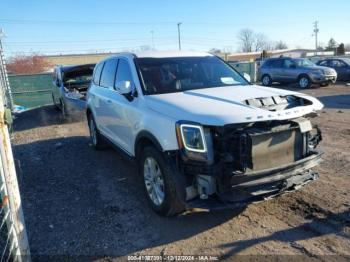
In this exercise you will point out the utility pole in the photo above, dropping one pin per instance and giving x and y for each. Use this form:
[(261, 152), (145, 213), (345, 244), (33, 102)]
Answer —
[(179, 35), (152, 33), (316, 30)]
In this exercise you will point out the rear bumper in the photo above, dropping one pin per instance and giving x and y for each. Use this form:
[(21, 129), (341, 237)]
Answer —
[(262, 185)]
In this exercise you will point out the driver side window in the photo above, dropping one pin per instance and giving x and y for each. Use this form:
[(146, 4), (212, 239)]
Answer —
[(123, 72)]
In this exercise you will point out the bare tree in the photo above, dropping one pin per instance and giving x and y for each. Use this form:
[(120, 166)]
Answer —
[(280, 45), (250, 41), (27, 64), (246, 39)]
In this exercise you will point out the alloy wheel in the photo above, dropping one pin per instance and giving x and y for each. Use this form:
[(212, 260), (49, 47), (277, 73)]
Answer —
[(154, 181)]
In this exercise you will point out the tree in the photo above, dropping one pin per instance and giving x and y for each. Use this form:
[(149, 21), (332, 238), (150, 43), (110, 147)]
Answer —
[(215, 51), (341, 49), (250, 41), (27, 64), (280, 45), (347, 47), (246, 38), (332, 45)]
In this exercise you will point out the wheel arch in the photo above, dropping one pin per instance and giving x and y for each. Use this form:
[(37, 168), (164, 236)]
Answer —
[(143, 139)]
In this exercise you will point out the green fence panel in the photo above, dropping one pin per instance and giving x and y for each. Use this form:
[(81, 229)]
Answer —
[(245, 67), (31, 90)]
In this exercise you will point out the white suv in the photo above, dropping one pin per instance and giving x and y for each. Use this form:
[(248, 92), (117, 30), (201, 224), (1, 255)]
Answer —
[(202, 136)]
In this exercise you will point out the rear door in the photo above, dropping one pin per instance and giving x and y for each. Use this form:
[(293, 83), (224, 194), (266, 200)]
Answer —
[(277, 70)]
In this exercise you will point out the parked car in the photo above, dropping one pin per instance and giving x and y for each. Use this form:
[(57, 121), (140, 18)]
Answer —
[(70, 84), (341, 65), (201, 135), (295, 70)]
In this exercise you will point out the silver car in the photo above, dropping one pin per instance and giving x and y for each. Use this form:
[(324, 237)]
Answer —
[(295, 70)]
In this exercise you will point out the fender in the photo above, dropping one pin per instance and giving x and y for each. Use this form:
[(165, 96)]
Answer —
[(144, 134)]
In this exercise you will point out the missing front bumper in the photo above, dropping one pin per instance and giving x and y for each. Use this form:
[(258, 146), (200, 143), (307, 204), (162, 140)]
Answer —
[(264, 185)]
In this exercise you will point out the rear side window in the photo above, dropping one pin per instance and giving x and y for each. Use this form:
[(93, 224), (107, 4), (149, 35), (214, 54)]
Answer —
[(97, 73), (108, 73), (276, 63), (124, 72)]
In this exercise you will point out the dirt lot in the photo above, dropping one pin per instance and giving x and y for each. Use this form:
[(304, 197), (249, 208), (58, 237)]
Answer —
[(81, 202)]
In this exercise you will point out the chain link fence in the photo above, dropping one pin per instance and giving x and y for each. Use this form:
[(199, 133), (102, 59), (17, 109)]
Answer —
[(13, 237)]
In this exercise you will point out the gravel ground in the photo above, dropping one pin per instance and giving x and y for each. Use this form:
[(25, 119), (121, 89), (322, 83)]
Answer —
[(79, 202)]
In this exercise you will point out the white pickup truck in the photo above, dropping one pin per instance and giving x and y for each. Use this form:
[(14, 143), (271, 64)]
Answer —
[(202, 135)]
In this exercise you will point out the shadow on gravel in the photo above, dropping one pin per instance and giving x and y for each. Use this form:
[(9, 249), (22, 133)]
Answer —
[(78, 201), (43, 116), (331, 224), (337, 102)]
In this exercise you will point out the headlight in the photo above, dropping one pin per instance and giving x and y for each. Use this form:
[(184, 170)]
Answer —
[(193, 138), (318, 72), (195, 142)]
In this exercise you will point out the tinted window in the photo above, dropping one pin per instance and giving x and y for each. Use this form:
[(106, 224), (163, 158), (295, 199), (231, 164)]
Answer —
[(276, 63), (97, 73), (177, 74), (323, 63), (124, 72), (108, 73)]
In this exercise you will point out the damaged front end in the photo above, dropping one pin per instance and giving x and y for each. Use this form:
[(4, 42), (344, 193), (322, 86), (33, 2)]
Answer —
[(250, 162), (76, 81)]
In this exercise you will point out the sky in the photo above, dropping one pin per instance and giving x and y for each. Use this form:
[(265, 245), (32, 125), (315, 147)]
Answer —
[(85, 26)]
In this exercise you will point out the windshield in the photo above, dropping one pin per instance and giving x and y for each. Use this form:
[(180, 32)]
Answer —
[(169, 75), (304, 62)]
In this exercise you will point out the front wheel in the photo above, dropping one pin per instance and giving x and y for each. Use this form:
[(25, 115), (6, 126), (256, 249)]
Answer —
[(304, 82), (266, 80), (164, 188)]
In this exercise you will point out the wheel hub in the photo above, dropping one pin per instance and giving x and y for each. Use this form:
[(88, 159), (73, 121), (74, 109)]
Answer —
[(154, 181)]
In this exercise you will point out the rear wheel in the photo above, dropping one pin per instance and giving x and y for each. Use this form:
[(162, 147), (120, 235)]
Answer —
[(54, 102), (163, 186), (304, 81), (266, 80), (63, 109), (96, 139)]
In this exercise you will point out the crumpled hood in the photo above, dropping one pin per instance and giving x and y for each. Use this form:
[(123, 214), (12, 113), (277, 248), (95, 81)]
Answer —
[(224, 105)]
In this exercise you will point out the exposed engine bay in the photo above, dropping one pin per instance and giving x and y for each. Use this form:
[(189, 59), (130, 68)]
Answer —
[(76, 81)]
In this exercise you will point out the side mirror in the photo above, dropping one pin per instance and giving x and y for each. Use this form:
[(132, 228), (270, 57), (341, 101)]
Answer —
[(123, 87), (247, 77), (57, 82)]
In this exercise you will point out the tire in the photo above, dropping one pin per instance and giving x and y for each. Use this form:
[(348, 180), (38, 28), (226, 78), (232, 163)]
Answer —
[(97, 141), (266, 80), (164, 188), (63, 109), (304, 82), (54, 103)]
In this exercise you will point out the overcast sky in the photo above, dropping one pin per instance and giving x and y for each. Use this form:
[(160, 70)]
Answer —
[(82, 26)]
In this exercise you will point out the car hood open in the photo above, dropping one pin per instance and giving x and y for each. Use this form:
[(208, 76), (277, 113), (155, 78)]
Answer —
[(225, 105)]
